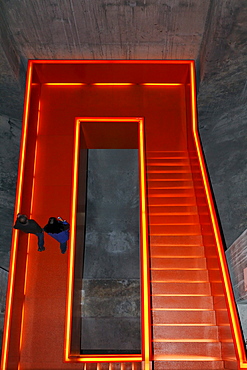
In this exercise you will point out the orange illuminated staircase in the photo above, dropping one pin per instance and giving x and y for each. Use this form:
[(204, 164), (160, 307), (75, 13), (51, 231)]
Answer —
[(190, 323)]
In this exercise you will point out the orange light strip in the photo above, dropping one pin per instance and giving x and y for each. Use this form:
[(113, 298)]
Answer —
[(64, 84), (161, 84), (35, 160), (119, 61), (113, 84), (237, 334), (146, 324), (72, 243), (145, 283), (28, 244), (12, 269)]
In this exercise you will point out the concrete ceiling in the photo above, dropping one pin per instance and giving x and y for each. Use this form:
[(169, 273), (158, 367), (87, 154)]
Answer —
[(212, 32)]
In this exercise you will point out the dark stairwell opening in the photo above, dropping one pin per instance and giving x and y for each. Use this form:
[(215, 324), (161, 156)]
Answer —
[(110, 311)]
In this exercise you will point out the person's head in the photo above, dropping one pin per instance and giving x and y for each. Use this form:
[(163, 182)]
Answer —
[(53, 226), (53, 221), (22, 219)]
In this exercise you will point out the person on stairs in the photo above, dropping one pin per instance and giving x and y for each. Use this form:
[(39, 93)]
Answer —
[(58, 229), (30, 227)]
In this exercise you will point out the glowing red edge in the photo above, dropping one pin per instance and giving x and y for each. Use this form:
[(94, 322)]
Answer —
[(105, 61), (13, 255), (231, 306), (145, 281)]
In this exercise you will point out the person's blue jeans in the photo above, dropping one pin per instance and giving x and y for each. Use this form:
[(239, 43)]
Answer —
[(63, 247), (40, 241)]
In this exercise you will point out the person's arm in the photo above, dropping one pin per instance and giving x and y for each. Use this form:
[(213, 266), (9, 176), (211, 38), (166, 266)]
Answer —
[(66, 225), (17, 224)]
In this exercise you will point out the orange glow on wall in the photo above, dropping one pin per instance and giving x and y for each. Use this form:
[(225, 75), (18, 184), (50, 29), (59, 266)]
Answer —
[(14, 246)]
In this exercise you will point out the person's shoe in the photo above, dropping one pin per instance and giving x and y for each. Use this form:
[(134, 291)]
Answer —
[(41, 249)]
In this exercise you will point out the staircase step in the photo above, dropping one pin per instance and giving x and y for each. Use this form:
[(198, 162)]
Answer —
[(171, 191), (172, 209), (166, 154), (189, 229), (187, 302), (188, 363), (169, 161), (179, 183), (185, 332), (177, 251), (192, 348), (169, 168), (181, 288), (181, 317), (175, 263), (169, 176), (176, 240), (179, 276), (177, 201), (170, 219)]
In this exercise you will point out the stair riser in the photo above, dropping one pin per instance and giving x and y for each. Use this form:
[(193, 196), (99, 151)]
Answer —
[(181, 288), (168, 167), (188, 349), (183, 317), (171, 192), (158, 201), (194, 240), (172, 209), (174, 230), (169, 176), (183, 302), (185, 332), (166, 183), (175, 263), (188, 365), (173, 219), (180, 275), (168, 161), (181, 154), (162, 251)]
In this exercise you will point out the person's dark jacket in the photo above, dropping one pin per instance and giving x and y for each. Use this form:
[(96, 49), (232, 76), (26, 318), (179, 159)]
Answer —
[(31, 227)]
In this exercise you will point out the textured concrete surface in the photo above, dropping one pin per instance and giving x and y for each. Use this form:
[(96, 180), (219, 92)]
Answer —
[(111, 276), (99, 29), (112, 214), (237, 262), (223, 120), (213, 32), (10, 130), (3, 287)]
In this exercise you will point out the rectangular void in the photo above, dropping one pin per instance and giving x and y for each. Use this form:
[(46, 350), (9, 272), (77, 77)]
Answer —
[(120, 93), (109, 192)]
